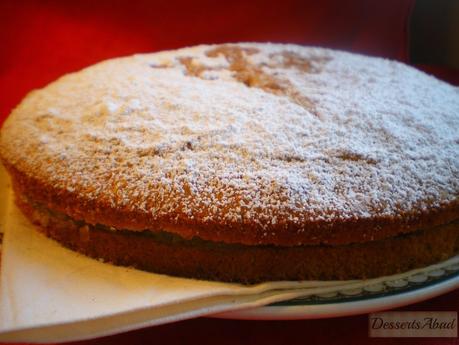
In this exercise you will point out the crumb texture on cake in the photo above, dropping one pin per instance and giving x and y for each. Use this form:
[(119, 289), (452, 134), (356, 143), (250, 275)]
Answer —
[(251, 143)]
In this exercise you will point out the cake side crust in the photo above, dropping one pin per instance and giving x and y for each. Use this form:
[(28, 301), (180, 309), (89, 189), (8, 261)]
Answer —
[(249, 264), (352, 231)]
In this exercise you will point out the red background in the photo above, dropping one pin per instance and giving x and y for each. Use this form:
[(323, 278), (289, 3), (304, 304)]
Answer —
[(41, 40)]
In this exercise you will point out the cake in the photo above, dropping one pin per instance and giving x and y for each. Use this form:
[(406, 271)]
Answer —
[(243, 162)]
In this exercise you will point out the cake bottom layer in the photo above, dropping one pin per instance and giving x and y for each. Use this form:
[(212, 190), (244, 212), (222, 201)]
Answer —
[(165, 253)]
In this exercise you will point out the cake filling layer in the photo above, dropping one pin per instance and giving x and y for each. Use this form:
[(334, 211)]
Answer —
[(166, 253)]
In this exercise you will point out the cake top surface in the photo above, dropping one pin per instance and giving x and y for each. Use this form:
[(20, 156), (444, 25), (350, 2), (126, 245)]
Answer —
[(273, 136)]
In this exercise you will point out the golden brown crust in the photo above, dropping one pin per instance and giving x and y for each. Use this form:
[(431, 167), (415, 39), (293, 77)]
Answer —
[(352, 231), (217, 261)]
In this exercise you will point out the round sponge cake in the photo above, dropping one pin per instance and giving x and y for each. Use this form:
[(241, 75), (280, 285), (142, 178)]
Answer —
[(243, 162)]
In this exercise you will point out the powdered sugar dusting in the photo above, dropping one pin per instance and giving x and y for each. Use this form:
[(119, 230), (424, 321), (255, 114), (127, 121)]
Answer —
[(300, 135)]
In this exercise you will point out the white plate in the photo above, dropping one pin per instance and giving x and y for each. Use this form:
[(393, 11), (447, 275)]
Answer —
[(386, 294)]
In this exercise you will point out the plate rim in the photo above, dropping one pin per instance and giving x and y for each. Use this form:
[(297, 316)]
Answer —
[(345, 308)]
